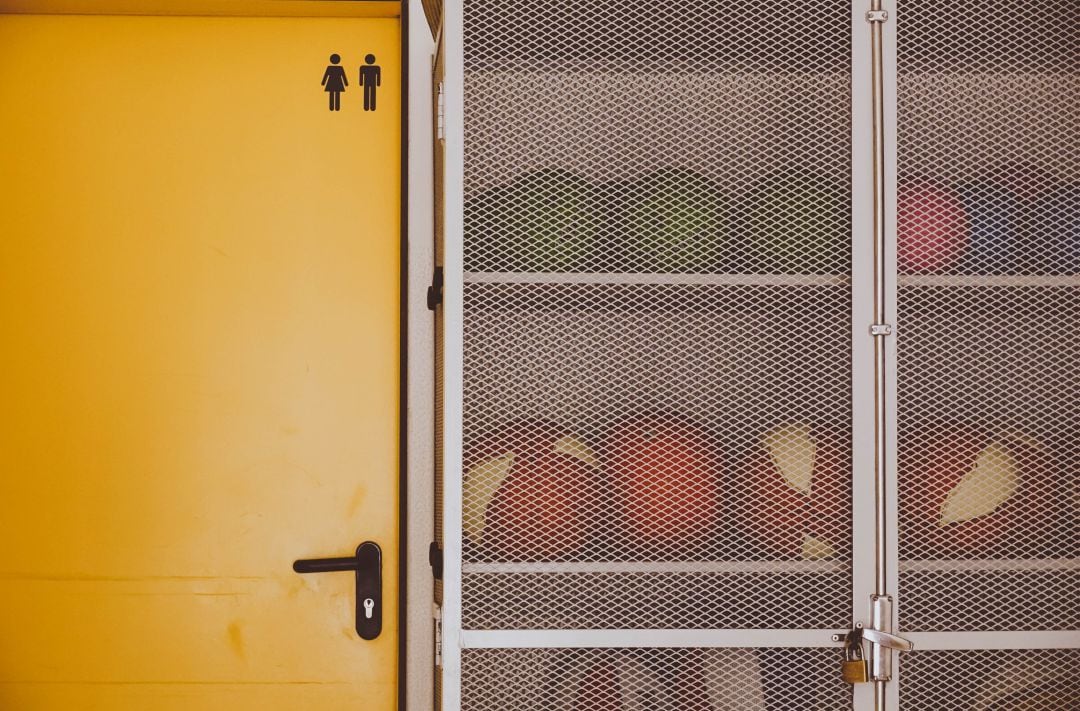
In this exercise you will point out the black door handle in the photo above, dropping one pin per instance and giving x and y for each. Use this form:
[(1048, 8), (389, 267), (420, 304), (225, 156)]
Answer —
[(367, 564)]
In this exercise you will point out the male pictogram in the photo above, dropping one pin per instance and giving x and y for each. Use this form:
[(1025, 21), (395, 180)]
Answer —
[(370, 79)]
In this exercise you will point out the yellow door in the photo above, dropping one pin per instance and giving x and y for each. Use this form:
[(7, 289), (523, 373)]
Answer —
[(199, 302)]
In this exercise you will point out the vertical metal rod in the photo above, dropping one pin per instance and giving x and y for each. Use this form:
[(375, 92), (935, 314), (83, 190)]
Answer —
[(880, 410), (877, 79)]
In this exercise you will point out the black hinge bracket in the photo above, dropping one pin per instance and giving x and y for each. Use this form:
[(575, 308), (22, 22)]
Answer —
[(435, 291), (435, 557)]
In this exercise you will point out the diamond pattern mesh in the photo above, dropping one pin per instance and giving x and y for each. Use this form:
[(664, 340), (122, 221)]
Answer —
[(990, 680), (686, 498), (654, 679), (658, 600), (989, 249), (624, 137), (657, 315)]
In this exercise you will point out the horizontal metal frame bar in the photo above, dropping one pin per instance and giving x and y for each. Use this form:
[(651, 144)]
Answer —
[(994, 640), (631, 279), (1018, 565), (583, 639), (1019, 280), (772, 567), (732, 566), (635, 279)]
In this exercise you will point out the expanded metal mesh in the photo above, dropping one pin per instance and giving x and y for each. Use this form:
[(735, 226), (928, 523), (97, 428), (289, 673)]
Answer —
[(657, 600), (603, 136), (989, 252), (657, 315), (653, 679), (990, 680), (666, 394)]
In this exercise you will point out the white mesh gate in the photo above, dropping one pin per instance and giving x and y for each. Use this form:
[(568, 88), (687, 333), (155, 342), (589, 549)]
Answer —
[(689, 680), (654, 196), (988, 246), (659, 433), (991, 184)]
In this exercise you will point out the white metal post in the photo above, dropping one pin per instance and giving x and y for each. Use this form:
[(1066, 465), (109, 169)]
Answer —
[(452, 366)]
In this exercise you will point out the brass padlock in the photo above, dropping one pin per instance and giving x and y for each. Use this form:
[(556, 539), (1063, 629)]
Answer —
[(854, 669)]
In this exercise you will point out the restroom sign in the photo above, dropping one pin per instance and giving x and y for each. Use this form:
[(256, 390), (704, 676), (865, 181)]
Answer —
[(335, 81)]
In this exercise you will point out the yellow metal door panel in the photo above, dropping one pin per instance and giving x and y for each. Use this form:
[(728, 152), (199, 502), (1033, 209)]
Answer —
[(199, 294)]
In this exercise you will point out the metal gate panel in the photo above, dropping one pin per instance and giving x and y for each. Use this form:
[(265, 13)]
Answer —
[(655, 679), (656, 399), (990, 680), (612, 275), (657, 222), (988, 249), (595, 356)]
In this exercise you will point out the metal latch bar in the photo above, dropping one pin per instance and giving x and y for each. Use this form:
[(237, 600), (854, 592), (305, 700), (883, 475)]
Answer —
[(886, 639)]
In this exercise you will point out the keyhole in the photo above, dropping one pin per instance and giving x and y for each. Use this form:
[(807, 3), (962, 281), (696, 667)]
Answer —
[(369, 607)]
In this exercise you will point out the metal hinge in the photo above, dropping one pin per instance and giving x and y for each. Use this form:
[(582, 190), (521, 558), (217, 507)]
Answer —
[(877, 16), (436, 612), (440, 115), (435, 291), (435, 558), (881, 329)]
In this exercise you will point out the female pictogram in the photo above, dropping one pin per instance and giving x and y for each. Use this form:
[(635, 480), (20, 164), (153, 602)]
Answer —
[(335, 81)]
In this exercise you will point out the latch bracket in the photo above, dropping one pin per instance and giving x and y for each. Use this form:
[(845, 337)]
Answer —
[(877, 16), (881, 329), (881, 638)]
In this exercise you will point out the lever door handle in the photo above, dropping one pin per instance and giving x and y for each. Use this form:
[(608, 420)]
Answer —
[(367, 564), (888, 640)]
